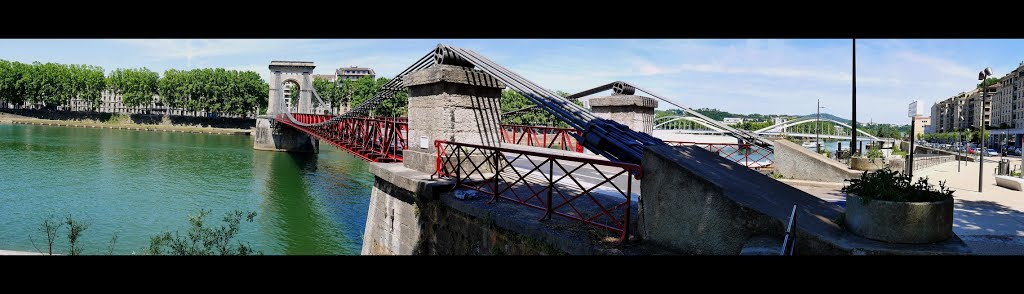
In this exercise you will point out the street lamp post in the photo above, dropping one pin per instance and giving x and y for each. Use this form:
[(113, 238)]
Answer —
[(853, 89), (981, 122), (817, 129)]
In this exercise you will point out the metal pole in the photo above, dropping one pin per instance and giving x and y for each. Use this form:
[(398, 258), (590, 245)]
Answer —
[(853, 123), (817, 129), (960, 137), (911, 152), (981, 135)]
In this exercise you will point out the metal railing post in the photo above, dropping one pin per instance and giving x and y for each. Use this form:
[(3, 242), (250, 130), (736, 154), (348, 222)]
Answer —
[(551, 186), (629, 207), (494, 178)]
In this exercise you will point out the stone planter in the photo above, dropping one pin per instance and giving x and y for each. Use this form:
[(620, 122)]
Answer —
[(867, 164), (900, 222)]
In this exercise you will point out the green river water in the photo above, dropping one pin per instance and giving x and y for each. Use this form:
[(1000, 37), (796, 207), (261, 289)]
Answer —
[(137, 184)]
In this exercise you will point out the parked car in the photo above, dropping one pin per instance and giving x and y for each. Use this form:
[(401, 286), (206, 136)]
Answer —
[(991, 152), (1016, 151)]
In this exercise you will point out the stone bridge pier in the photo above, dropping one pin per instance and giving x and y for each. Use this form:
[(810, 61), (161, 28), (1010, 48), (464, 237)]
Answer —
[(407, 214), (281, 138), (636, 112), (414, 213)]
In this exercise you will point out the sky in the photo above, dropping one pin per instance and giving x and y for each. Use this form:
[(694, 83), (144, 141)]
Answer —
[(766, 76)]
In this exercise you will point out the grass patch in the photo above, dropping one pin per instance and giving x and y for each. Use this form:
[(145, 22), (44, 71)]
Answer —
[(118, 119)]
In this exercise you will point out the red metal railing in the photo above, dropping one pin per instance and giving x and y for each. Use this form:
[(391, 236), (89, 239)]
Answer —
[(374, 139), (537, 136), (534, 183), (748, 155)]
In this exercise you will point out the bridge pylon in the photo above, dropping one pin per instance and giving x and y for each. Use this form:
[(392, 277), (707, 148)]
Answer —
[(269, 135), (451, 103)]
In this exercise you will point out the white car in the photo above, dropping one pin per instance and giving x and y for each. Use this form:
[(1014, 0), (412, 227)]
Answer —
[(991, 152)]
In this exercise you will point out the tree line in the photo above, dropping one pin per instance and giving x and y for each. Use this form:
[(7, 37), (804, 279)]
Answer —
[(954, 136), (207, 89), (512, 100), (354, 92)]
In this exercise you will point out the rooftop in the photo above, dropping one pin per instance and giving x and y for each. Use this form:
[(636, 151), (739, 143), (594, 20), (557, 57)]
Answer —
[(291, 63), (342, 70)]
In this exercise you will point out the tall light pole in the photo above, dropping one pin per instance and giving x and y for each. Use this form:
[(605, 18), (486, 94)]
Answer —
[(853, 123), (817, 129), (981, 122)]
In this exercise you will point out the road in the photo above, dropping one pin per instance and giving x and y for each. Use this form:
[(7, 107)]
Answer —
[(587, 176)]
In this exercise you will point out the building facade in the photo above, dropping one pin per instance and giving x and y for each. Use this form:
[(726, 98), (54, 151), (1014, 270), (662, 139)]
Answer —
[(112, 103), (1007, 103), (964, 111), (353, 73), (921, 123), (732, 120)]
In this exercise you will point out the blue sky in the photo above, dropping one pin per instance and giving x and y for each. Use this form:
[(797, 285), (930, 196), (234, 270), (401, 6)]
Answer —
[(737, 75)]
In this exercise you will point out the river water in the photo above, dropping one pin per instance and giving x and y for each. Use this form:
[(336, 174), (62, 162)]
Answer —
[(137, 184)]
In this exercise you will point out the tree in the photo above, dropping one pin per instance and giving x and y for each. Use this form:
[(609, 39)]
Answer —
[(204, 240), (50, 226), (174, 88), (329, 92), (395, 106), (511, 100), (359, 90), (11, 85), (136, 86), (88, 83), (75, 229), (214, 90), (988, 82)]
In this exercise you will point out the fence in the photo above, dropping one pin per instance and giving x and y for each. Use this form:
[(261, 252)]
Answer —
[(925, 161), (547, 137), (544, 181), (748, 155), (376, 139)]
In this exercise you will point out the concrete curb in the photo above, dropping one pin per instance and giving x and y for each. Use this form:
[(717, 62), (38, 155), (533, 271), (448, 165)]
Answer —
[(793, 182)]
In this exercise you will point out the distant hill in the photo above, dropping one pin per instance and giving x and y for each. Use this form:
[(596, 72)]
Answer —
[(828, 116)]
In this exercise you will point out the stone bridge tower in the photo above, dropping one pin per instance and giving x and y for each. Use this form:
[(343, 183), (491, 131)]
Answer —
[(278, 138)]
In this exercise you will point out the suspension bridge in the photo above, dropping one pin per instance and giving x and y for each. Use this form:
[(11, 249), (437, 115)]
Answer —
[(382, 139), (453, 142)]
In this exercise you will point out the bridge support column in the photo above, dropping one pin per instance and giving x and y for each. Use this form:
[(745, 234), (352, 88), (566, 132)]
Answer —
[(284, 138), (451, 103), (636, 112)]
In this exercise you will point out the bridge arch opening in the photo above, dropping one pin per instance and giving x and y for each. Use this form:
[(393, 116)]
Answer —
[(292, 91)]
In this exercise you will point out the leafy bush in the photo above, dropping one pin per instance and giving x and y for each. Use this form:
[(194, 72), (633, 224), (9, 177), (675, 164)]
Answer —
[(889, 185), (204, 240), (873, 152), (897, 151)]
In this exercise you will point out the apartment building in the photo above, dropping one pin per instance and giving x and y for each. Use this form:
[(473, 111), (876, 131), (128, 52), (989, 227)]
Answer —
[(353, 73), (1007, 103), (964, 110)]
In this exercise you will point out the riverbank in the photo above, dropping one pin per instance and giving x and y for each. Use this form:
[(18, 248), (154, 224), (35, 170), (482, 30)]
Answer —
[(12, 252), (7, 118)]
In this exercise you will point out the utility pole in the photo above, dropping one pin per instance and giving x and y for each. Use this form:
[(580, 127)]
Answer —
[(853, 124)]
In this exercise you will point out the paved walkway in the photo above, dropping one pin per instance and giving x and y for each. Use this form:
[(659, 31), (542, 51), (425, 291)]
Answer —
[(992, 223)]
